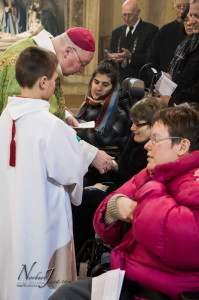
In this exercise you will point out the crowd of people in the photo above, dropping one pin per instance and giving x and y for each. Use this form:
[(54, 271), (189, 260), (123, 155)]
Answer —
[(149, 212)]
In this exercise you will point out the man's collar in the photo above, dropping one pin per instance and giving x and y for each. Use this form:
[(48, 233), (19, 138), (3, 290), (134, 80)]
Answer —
[(134, 27), (43, 40), (136, 24)]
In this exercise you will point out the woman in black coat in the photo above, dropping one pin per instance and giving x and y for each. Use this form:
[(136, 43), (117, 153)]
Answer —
[(105, 105)]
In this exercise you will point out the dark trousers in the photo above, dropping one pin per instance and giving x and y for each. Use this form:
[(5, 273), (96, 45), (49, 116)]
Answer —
[(83, 216), (81, 290)]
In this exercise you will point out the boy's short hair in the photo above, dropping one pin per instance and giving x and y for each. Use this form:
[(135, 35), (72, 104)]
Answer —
[(33, 63), (181, 120)]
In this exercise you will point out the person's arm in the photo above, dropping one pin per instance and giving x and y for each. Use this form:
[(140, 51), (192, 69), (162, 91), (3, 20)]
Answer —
[(97, 158), (102, 161), (111, 233), (112, 52), (114, 41), (119, 207), (153, 53), (70, 119), (139, 58), (64, 159), (185, 95), (118, 129), (113, 56), (196, 174), (166, 229), (8, 83)]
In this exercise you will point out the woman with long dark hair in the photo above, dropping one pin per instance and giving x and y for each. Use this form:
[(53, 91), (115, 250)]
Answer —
[(104, 105)]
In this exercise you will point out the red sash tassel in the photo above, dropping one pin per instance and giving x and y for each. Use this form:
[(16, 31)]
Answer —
[(13, 146)]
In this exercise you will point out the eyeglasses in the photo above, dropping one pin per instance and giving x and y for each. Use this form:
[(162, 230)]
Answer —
[(124, 16), (156, 139), (139, 125), (183, 7), (81, 63)]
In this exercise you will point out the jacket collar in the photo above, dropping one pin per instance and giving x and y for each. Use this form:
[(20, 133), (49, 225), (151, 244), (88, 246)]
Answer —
[(169, 171), (18, 107)]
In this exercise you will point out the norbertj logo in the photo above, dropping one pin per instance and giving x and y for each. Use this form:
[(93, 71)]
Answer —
[(30, 279)]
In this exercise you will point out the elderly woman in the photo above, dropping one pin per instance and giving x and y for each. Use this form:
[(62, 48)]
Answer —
[(161, 204), (104, 105)]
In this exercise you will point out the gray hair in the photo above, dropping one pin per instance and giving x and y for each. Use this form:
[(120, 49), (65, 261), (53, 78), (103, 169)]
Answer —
[(190, 1)]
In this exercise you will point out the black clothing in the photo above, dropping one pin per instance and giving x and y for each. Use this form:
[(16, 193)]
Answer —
[(164, 45), (139, 43), (185, 71), (114, 132), (128, 37), (131, 161), (83, 216), (81, 290)]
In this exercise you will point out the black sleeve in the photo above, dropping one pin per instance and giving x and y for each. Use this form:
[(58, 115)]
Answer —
[(187, 95), (139, 58)]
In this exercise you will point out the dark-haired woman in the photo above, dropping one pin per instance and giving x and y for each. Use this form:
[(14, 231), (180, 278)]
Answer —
[(104, 105)]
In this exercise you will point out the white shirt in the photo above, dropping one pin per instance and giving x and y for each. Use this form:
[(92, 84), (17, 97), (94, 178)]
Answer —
[(36, 196), (134, 27)]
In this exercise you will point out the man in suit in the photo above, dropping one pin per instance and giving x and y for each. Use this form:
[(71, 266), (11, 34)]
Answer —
[(130, 42), (168, 38), (184, 69)]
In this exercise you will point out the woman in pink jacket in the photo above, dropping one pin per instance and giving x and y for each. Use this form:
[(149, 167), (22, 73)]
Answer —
[(161, 203), (160, 249)]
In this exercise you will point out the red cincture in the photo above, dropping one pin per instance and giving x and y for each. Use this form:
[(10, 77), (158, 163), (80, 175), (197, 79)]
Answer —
[(13, 146)]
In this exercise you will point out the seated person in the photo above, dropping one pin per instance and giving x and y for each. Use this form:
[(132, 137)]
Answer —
[(131, 161), (160, 249), (184, 67), (103, 104), (187, 26)]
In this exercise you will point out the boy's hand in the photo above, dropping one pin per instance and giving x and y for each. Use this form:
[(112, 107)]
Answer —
[(102, 162)]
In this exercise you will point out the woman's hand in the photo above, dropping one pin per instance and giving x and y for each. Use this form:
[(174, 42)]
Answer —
[(126, 208), (196, 174), (71, 121)]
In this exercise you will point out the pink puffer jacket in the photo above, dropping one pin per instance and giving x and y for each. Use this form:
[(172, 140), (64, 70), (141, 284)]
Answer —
[(161, 250)]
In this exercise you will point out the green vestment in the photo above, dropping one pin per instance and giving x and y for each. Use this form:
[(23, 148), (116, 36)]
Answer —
[(9, 85)]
